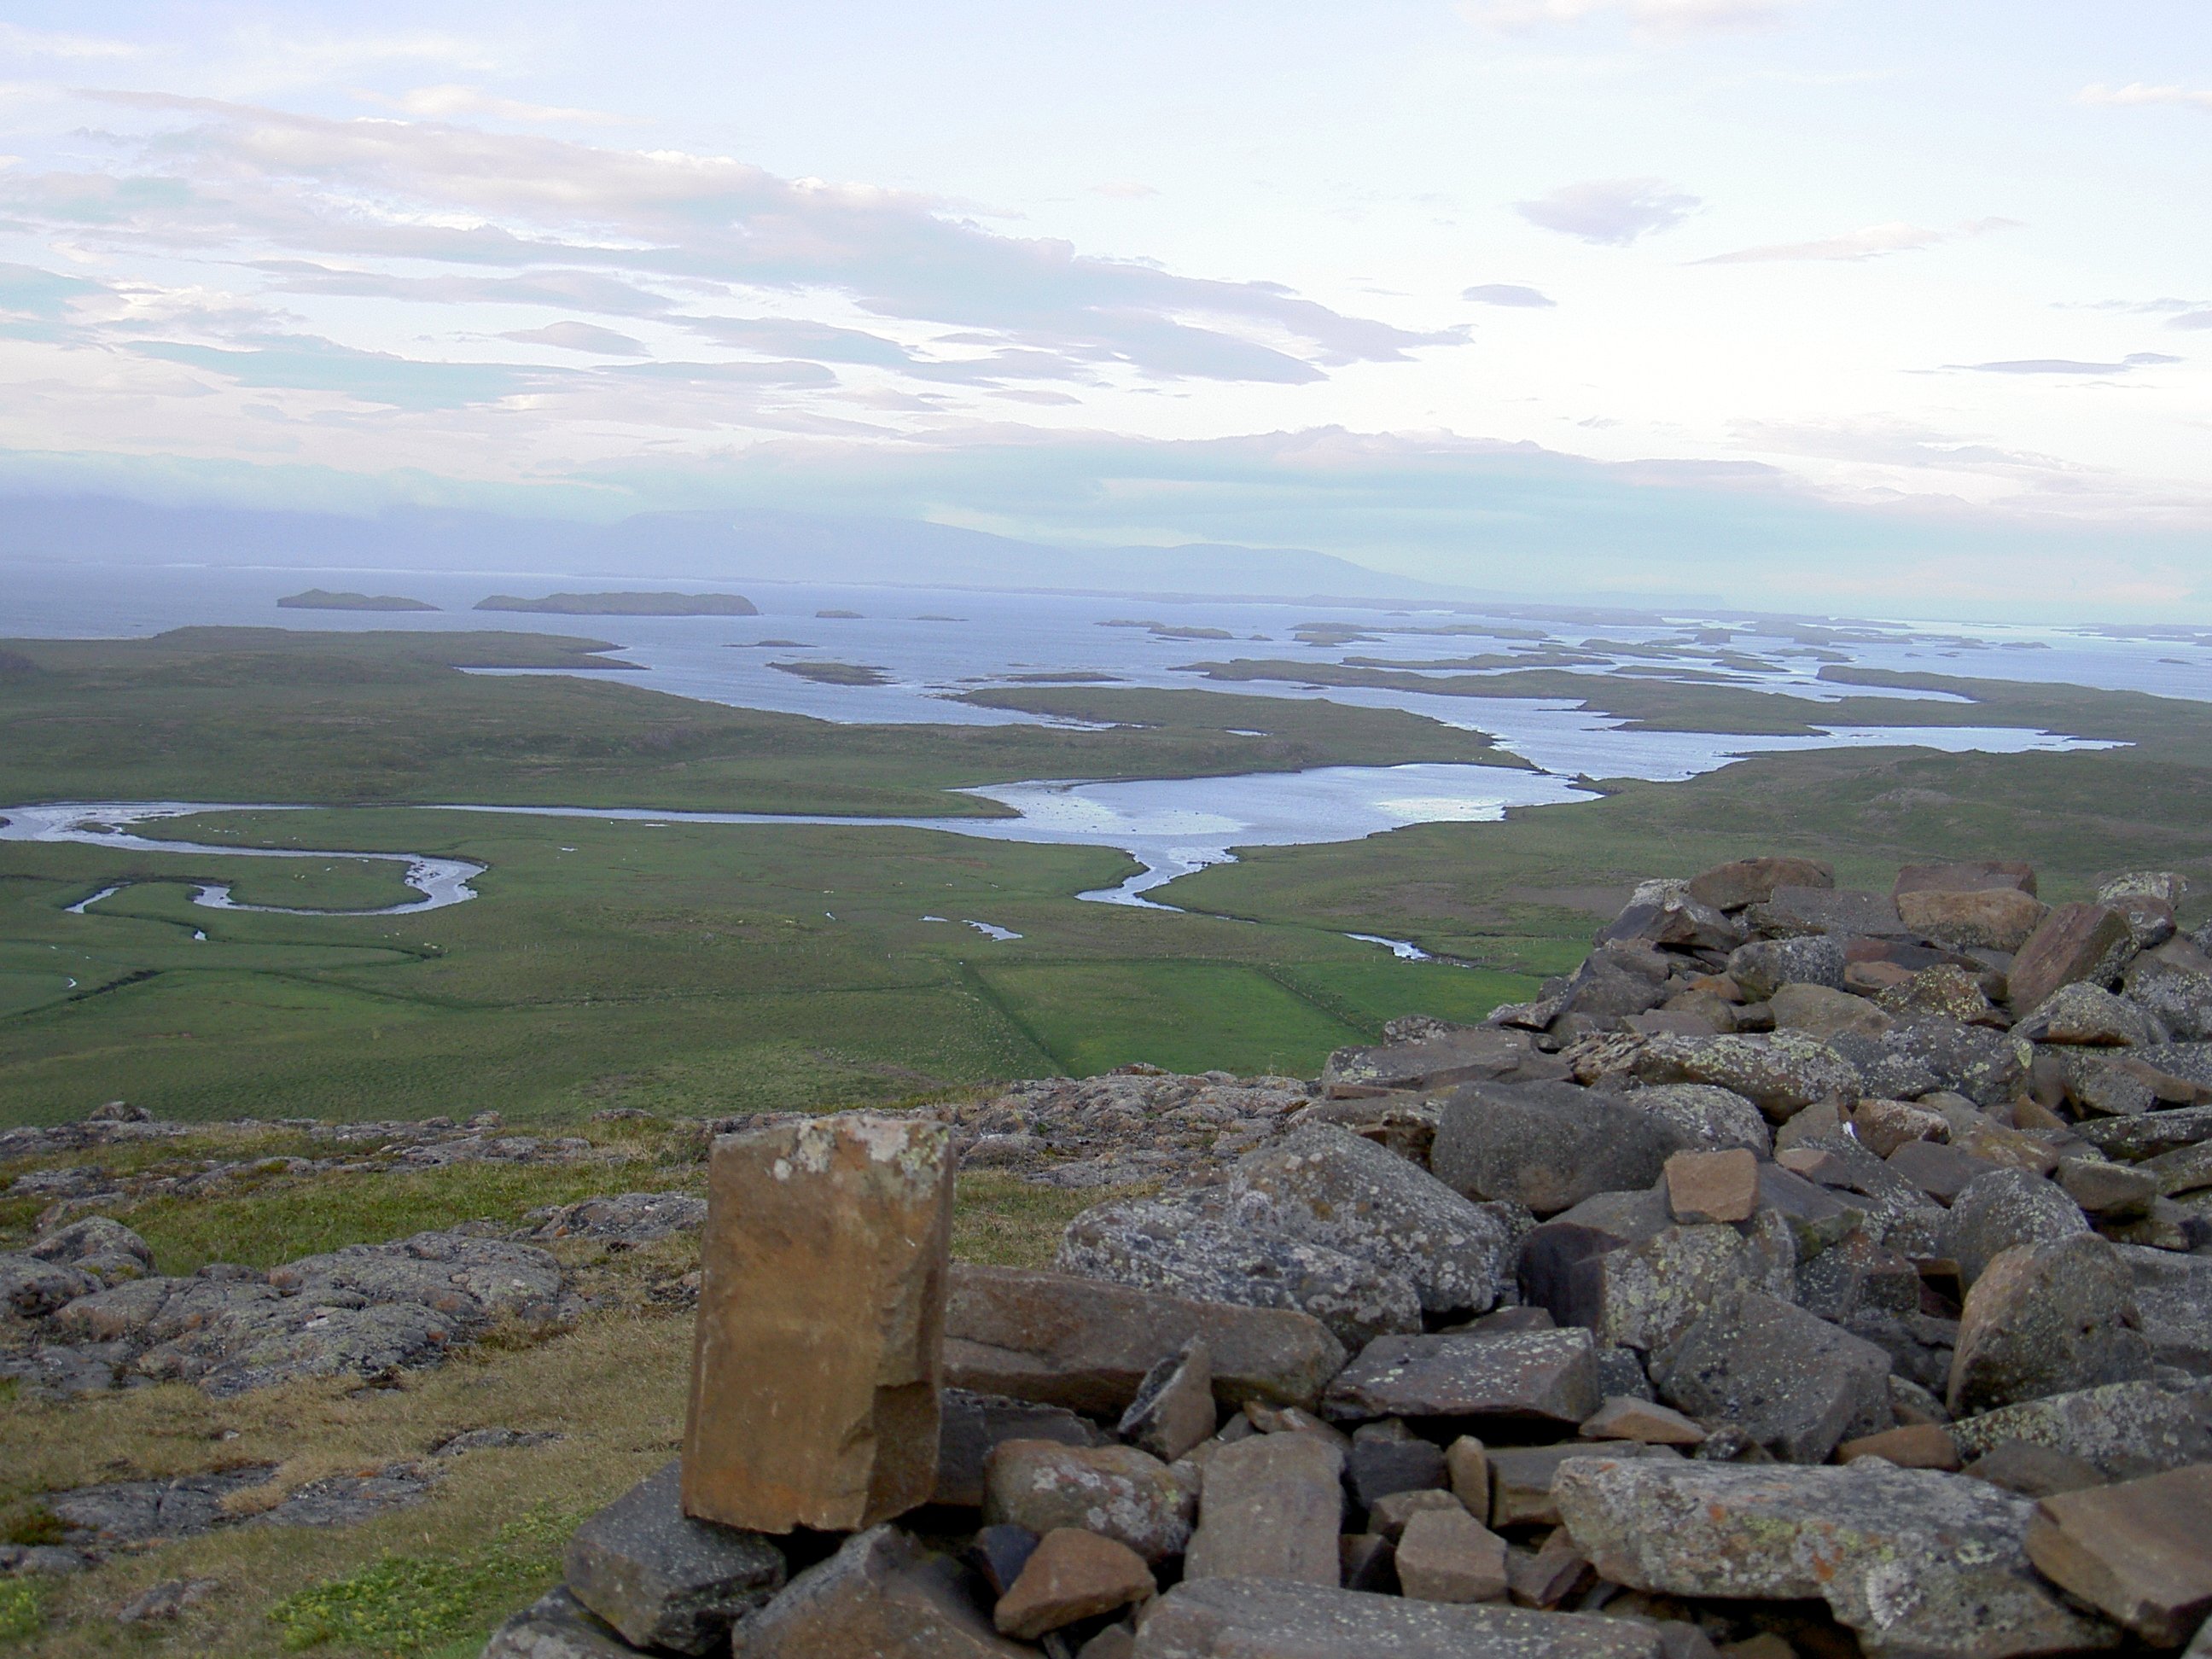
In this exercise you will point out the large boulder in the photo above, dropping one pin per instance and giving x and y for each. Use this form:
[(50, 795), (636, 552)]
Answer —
[(1781, 1074), (1322, 1186), (1462, 1054), (2139, 1552), (2173, 1305), (1196, 1246), (2174, 983), (1793, 1383), (1990, 918), (1745, 882), (816, 1358), (1793, 912), (2045, 1319), (2005, 1207), (1270, 1618), (2092, 1016), (1704, 1117), (1645, 1295), (1547, 1145), (1765, 966), (1129, 1496), (1916, 1564), (1087, 1344), (1920, 1056), (1966, 876), (1667, 912), (2121, 1428), (2075, 942)]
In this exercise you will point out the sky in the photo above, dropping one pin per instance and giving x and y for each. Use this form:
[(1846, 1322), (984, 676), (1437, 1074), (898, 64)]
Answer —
[(1800, 302)]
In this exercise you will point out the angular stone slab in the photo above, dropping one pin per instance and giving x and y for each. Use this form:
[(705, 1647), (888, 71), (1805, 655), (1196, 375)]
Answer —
[(970, 1425), (815, 1364), (1128, 1495), (2045, 1319), (2122, 1429), (1916, 1562), (1544, 1376), (557, 1625), (1752, 881), (1795, 1383), (1264, 1618), (1437, 1062), (2139, 1552), (2074, 942), (1087, 1344), (1548, 1145), (1272, 1507), (664, 1580), (881, 1594)]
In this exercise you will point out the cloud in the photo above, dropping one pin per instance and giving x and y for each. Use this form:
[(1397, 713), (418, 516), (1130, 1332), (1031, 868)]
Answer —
[(1871, 243), (2192, 320), (358, 193), (42, 43), (445, 102), (2069, 366), (1507, 294), (579, 337), (1127, 190), (1612, 212), (304, 362), (2137, 92), (1651, 16)]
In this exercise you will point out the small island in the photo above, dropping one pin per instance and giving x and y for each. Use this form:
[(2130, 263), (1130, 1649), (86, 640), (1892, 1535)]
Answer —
[(836, 673), (627, 604), (321, 598)]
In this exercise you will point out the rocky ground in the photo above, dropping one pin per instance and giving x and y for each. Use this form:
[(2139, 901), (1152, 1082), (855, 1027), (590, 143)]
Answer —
[(1813, 1272)]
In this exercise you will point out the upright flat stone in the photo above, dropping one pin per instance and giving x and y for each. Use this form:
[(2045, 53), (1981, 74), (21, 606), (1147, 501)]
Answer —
[(815, 1365), (1263, 1619), (1918, 1564), (2139, 1552), (1087, 1345), (1272, 1507), (883, 1595), (2074, 942), (1544, 1376), (664, 1580)]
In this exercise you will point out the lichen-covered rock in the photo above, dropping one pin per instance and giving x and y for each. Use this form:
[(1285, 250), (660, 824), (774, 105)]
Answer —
[(1912, 1561), (1266, 1618), (30, 1288), (98, 1245), (1322, 1186), (1706, 1117), (1460, 1054), (1547, 1145), (557, 1625), (2174, 984), (1195, 1247), (1765, 966), (1127, 1495), (1990, 918), (663, 1579), (2173, 1305), (1820, 1013), (1644, 1296), (1919, 1056), (2043, 1319), (882, 1593), (1793, 1383), (1543, 1376), (2122, 1429), (623, 1220), (1942, 991), (2075, 942), (2092, 1016), (1996, 1212), (1781, 1074)]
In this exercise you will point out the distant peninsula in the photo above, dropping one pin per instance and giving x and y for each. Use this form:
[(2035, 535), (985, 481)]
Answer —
[(627, 604), (319, 598)]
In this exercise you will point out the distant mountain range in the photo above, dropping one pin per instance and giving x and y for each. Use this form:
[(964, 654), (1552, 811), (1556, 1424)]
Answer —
[(719, 546)]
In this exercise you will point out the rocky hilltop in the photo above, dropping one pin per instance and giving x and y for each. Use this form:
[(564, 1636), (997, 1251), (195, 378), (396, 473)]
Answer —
[(1813, 1270)]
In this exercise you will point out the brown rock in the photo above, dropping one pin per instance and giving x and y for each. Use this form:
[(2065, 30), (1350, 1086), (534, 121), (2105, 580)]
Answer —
[(2032, 1470), (1623, 1417), (1087, 1344), (1993, 919), (1985, 875), (1919, 1446), (1466, 1466), (1255, 1618), (1821, 1011), (1883, 1126), (1116, 1491), (1272, 1508), (815, 1362), (1447, 1555), (1071, 1574), (1752, 881), (970, 1425), (1389, 1514), (2043, 1319), (1712, 1186), (881, 1594), (2075, 942), (1551, 1574), (1173, 1409), (2141, 1552)]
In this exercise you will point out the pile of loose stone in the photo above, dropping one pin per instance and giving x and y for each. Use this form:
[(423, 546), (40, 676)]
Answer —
[(1813, 1270)]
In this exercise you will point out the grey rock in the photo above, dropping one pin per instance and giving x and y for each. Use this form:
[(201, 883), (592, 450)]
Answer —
[(1272, 1508), (2046, 1318), (1795, 1383), (2090, 1016), (1781, 1074), (104, 1247), (2107, 1191), (2176, 988), (1389, 1457), (623, 1220), (31, 1289), (1994, 1211), (556, 1626), (1195, 1247), (2153, 1133), (1905, 1216), (1615, 980), (880, 1594), (1793, 912), (1765, 966), (1322, 1186), (1547, 1145), (1857, 1275), (168, 1600), (2123, 1429), (2173, 1305), (1264, 1618), (1666, 913), (1645, 1295), (1706, 1118), (2183, 1169), (1543, 1376), (1459, 1055), (133, 1512), (1915, 1563), (664, 1580), (969, 1425), (1989, 1067)]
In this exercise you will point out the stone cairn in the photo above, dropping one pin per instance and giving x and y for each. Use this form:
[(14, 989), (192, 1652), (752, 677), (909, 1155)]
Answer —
[(1813, 1272)]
